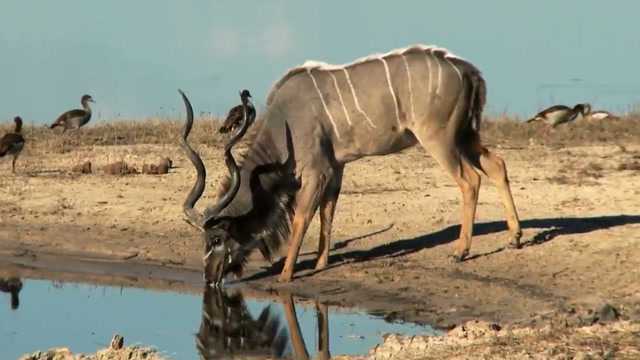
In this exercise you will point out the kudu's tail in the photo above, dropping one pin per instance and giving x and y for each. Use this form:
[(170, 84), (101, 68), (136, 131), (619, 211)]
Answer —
[(478, 99)]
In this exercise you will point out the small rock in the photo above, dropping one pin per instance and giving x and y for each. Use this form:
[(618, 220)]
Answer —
[(84, 168), (607, 314)]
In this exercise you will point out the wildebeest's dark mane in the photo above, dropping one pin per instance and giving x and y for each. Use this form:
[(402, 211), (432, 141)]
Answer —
[(273, 188)]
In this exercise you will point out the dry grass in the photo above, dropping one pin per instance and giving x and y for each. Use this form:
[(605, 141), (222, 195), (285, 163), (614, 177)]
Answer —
[(41, 139), (512, 131), (504, 131)]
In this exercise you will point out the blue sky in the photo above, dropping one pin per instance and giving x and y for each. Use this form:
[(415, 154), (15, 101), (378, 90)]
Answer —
[(133, 55)]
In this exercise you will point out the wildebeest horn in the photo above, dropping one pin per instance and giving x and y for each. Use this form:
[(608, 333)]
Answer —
[(194, 217), (231, 165)]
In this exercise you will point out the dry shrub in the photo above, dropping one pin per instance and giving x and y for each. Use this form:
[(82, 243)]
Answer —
[(561, 179), (592, 170), (633, 165)]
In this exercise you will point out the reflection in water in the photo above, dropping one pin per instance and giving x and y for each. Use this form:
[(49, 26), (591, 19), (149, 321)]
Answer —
[(228, 329), (13, 286)]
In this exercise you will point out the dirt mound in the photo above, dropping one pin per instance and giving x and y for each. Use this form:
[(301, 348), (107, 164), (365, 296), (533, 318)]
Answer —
[(116, 351), (119, 168), (130, 353), (84, 168), (161, 168), (484, 340)]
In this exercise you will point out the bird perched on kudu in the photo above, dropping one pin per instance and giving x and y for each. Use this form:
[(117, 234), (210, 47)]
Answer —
[(13, 143), (76, 118), (235, 116)]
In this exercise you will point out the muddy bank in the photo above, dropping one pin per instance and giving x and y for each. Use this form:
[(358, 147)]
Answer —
[(472, 340)]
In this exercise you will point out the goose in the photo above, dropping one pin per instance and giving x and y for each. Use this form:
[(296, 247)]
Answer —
[(76, 118), (602, 115), (13, 143), (560, 114), (236, 115)]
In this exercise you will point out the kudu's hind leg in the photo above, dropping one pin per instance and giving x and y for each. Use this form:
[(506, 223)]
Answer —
[(464, 174), (306, 204), (328, 204), (494, 167)]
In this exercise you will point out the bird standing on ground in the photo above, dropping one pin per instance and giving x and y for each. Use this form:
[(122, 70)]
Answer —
[(76, 118), (602, 115), (560, 114), (235, 116), (13, 143)]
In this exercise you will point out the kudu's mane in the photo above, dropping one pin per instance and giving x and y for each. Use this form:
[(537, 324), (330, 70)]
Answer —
[(228, 329), (272, 186), (475, 76)]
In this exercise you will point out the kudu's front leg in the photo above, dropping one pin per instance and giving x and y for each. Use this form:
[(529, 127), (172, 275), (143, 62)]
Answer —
[(305, 206), (299, 347), (322, 319), (327, 210)]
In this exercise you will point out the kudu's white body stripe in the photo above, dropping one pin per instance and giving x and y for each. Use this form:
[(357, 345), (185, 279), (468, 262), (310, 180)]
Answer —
[(324, 104)]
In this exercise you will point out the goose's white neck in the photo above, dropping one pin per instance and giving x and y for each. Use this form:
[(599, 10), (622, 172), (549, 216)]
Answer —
[(85, 105)]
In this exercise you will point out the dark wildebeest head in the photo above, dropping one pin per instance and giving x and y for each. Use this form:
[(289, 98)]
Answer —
[(229, 330), (252, 213)]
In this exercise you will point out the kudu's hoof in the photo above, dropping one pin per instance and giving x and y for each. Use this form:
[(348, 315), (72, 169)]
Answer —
[(458, 258), (285, 278), (514, 243)]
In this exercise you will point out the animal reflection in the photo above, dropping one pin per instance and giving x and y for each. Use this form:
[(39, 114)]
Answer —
[(228, 330), (12, 286)]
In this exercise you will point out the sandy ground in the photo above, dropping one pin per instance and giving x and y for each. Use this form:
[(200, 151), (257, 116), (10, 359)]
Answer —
[(395, 224)]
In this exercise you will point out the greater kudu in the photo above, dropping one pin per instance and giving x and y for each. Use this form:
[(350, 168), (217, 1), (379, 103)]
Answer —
[(319, 117)]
